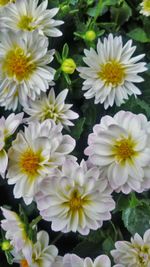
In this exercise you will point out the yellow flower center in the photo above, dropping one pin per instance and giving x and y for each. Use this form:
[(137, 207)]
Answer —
[(112, 73), (50, 112), (24, 263), (4, 2), (75, 202), (25, 23), (143, 254), (124, 149), (29, 162), (17, 64), (147, 5)]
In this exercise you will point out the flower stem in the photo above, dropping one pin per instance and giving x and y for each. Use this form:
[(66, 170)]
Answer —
[(36, 221), (57, 238)]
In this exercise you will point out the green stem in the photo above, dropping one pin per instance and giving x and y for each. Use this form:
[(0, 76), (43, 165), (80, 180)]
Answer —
[(35, 221), (115, 231), (57, 238)]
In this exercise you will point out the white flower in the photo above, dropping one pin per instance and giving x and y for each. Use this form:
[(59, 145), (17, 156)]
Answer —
[(51, 107), (23, 68), (34, 154), (72, 260), (15, 232), (134, 254), (73, 199), (7, 128), (145, 8), (41, 254), (111, 71), (26, 15), (120, 147)]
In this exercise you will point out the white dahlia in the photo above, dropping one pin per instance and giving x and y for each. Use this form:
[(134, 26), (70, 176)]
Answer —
[(7, 128), (72, 260), (119, 145), (26, 15), (111, 71), (41, 253), (73, 199), (23, 68), (145, 8), (134, 254), (51, 107), (34, 154), (15, 232)]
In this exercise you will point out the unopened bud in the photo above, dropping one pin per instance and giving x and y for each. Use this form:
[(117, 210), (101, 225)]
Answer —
[(6, 245), (68, 66), (90, 36)]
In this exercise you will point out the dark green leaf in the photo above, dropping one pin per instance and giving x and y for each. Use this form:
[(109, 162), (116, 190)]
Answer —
[(138, 34), (65, 51), (87, 249), (58, 57), (78, 128), (121, 14), (108, 245), (137, 220)]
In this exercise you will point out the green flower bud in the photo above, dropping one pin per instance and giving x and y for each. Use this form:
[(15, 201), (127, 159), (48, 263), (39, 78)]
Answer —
[(68, 66), (5, 245), (90, 36), (64, 8)]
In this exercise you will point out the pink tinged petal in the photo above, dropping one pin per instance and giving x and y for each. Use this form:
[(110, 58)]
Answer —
[(27, 251), (102, 261), (9, 215), (13, 121), (101, 149), (101, 160), (51, 96), (67, 145), (117, 175), (147, 236), (88, 262), (58, 225), (61, 97), (74, 221), (43, 238), (3, 161), (72, 260)]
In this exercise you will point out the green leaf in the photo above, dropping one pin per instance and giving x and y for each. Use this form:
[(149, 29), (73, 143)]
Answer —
[(73, 2), (67, 78), (57, 74), (134, 201), (108, 245), (65, 51), (138, 34), (78, 128), (87, 249), (89, 111), (145, 106), (137, 220), (95, 236), (58, 57), (122, 202), (121, 14)]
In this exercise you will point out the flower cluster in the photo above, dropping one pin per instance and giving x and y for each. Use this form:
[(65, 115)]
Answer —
[(40, 254)]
